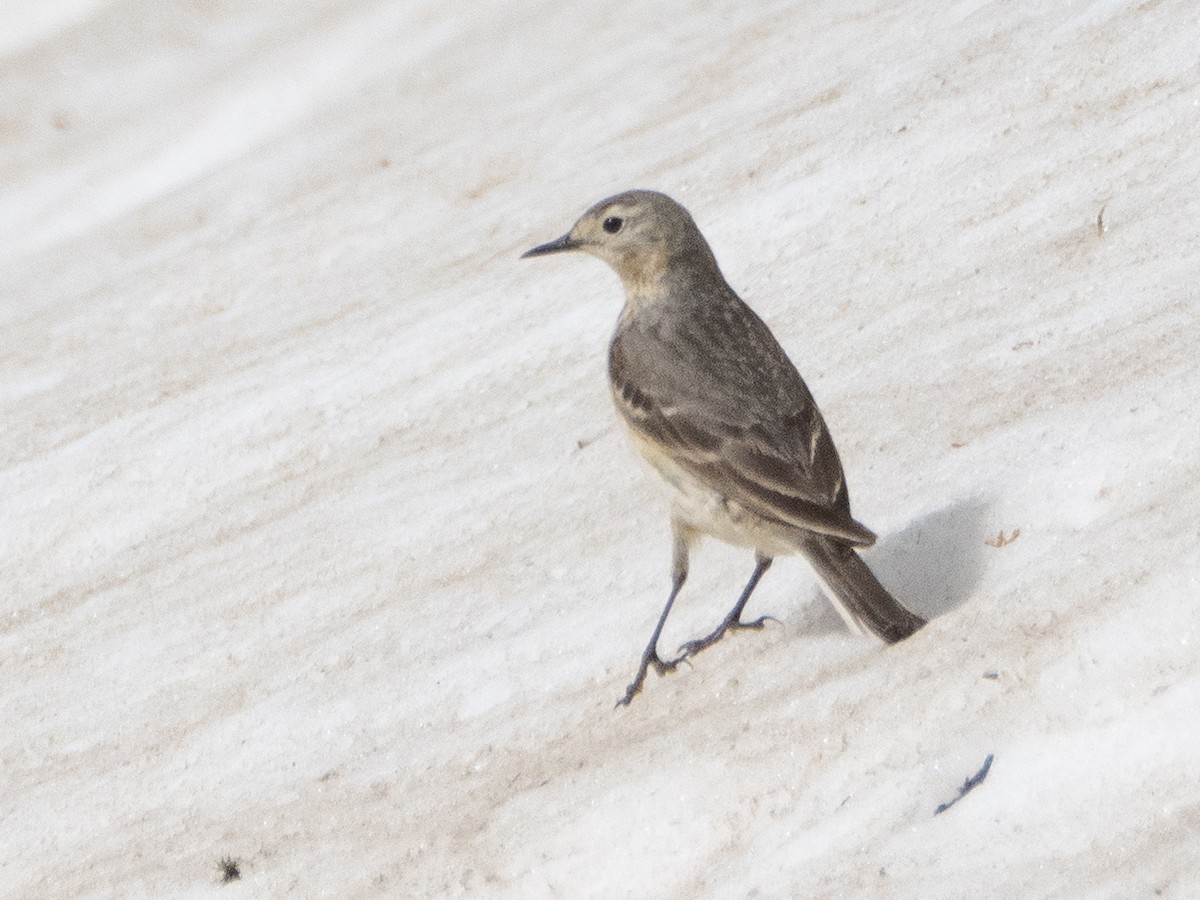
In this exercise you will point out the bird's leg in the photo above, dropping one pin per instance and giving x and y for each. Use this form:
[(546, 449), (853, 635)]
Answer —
[(734, 619), (650, 657)]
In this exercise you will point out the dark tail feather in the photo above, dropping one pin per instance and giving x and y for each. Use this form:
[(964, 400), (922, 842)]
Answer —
[(856, 592)]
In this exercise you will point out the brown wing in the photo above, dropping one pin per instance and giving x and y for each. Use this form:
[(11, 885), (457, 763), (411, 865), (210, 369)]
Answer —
[(730, 408)]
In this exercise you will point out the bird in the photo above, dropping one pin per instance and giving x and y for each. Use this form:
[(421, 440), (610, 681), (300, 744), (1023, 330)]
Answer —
[(713, 403)]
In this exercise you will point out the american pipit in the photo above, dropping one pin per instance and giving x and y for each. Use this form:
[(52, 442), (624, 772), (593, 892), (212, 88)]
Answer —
[(714, 404)]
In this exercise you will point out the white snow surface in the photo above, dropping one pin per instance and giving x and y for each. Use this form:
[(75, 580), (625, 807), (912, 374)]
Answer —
[(320, 547)]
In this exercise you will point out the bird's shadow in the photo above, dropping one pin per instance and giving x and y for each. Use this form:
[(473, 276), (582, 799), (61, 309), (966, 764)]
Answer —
[(933, 565)]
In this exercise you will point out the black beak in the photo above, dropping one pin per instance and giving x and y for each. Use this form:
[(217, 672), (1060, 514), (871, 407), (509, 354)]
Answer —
[(566, 242)]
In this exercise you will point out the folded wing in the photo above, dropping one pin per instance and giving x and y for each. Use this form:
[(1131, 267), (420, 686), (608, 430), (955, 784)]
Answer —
[(774, 457)]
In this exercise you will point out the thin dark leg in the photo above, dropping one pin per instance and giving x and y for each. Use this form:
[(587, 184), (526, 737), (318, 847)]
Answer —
[(682, 534), (651, 657), (734, 619)]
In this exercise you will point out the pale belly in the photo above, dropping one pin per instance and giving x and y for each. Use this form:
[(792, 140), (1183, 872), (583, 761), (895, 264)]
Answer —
[(708, 512)]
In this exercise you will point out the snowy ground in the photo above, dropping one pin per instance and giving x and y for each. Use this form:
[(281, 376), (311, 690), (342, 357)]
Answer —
[(320, 548)]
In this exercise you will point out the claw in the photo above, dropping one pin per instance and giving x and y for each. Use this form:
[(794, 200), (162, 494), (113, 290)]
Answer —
[(661, 667), (691, 648)]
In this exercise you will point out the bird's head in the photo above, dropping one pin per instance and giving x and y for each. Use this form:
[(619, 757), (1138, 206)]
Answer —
[(644, 235)]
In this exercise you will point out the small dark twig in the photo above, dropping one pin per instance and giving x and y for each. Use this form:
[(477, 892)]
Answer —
[(969, 785)]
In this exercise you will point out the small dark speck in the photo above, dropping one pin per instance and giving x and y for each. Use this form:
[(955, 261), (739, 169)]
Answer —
[(902, 129), (384, 163), (882, 872), (229, 869), (991, 676)]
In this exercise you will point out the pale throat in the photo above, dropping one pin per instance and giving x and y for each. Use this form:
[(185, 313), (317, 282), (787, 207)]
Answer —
[(643, 273)]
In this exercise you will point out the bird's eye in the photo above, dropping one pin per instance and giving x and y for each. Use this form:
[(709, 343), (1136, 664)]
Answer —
[(613, 224)]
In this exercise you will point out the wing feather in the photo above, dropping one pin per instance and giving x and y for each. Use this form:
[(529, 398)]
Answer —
[(776, 460)]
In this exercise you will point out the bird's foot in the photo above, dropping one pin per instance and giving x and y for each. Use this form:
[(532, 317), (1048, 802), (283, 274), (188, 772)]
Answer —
[(691, 648), (661, 666)]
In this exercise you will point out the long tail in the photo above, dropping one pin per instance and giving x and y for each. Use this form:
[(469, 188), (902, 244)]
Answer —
[(863, 602)]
